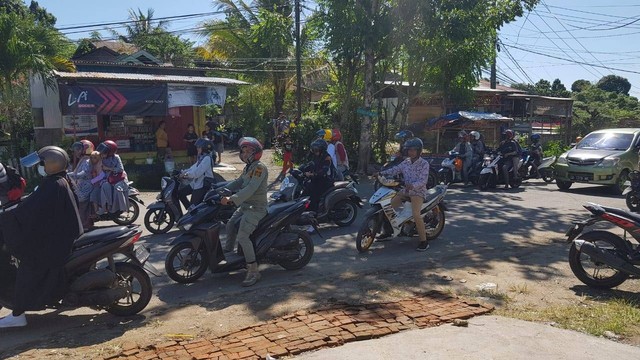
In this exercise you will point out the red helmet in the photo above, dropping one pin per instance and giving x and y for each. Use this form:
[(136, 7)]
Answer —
[(108, 147), (252, 143), (336, 135)]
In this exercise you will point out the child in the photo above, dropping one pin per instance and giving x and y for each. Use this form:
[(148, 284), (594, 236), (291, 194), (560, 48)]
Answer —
[(287, 158), (97, 178)]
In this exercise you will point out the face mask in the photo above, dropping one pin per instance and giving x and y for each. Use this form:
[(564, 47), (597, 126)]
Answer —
[(41, 171)]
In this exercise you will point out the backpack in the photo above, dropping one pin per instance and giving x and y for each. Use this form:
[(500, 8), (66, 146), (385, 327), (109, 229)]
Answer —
[(16, 183)]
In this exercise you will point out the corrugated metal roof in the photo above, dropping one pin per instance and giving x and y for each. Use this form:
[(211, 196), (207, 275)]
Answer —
[(201, 80)]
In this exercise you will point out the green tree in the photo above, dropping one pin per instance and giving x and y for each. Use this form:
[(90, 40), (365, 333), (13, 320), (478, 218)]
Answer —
[(544, 88), (262, 32), (595, 109), (614, 83), (580, 85), (27, 46), (152, 36)]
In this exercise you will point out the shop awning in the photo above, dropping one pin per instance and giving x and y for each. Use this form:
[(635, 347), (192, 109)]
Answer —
[(462, 117), (177, 79)]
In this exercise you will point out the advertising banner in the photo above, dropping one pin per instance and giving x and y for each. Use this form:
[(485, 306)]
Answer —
[(196, 96), (80, 125), (142, 100)]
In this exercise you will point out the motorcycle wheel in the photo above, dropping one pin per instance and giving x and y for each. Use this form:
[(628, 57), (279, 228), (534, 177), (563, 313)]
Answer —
[(633, 202), (547, 175), (158, 221), (434, 222), (305, 248), (581, 264), (515, 183), (367, 234), (483, 182), (350, 209), (184, 264), (139, 290), (563, 185), (130, 216)]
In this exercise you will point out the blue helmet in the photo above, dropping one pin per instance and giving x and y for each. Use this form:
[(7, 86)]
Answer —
[(535, 137), (403, 135)]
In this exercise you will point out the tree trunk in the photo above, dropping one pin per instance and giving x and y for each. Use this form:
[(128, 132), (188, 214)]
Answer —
[(364, 151)]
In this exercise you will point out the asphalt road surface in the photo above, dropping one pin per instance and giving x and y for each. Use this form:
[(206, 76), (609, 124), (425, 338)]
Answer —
[(479, 227)]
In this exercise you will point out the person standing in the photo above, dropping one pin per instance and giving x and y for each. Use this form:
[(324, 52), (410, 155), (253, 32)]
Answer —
[(342, 158), (162, 140), (287, 158), (465, 152), (190, 138)]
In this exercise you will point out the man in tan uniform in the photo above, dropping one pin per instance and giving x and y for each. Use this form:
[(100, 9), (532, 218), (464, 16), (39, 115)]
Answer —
[(251, 200)]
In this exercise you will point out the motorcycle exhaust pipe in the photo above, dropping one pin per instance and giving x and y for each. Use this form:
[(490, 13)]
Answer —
[(605, 257)]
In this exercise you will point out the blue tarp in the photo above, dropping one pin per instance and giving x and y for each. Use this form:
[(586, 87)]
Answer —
[(461, 117)]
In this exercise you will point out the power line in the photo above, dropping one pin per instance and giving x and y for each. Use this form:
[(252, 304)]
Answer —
[(127, 22)]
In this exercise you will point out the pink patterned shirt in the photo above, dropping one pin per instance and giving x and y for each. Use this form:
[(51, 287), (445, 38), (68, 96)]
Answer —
[(415, 174)]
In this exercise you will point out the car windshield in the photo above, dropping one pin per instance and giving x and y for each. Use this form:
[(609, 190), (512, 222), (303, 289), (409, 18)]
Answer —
[(606, 141)]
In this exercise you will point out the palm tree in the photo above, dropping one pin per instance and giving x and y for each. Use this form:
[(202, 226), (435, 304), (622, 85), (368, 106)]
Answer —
[(27, 47), (143, 25), (262, 32)]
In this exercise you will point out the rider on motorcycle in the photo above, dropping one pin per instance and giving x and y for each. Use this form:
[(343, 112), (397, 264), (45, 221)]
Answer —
[(40, 232), (535, 149), (402, 136), (415, 171), (320, 171), (198, 174), (478, 148), (465, 152), (510, 150), (251, 200)]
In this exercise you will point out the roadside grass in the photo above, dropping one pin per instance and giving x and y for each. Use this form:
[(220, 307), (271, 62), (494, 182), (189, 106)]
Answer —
[(618, 315)]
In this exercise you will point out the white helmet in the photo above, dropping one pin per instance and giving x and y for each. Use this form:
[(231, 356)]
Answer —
[(475, 134)]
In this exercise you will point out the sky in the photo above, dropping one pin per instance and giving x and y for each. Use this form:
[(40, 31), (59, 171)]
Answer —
[(547, 43), (550, 41)]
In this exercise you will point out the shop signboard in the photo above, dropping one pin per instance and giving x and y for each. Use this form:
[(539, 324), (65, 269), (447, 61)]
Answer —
[(97, 99), (196, 95), (80, 125)]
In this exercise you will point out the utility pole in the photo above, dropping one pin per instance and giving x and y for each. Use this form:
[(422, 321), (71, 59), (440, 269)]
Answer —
[(493, 62), (298, 63)]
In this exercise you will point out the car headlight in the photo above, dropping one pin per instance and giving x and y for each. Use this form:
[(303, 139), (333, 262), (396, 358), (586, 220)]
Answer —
[(562, 160), (608, 162)]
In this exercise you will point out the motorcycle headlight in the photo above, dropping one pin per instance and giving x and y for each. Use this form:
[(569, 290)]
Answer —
[(562, 160), (608, 162)]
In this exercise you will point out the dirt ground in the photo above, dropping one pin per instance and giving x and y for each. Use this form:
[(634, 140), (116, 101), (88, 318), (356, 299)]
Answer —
[(522, 283)]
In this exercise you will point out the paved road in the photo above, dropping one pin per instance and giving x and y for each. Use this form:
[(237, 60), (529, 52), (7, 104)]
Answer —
[(480, 227)]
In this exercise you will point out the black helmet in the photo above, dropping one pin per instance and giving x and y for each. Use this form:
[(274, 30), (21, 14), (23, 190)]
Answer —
[(319, 145), (413, 143), (205, 145), (403, 135)]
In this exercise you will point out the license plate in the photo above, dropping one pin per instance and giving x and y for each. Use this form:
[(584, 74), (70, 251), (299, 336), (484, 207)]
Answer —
[(142, 253), (579, 178)]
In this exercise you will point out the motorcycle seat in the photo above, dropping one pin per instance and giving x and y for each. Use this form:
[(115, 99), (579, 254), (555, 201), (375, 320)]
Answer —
[(433, 193), (628, 214), (97, 235)]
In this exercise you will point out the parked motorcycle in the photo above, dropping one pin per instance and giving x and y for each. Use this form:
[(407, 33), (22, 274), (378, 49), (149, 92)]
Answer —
[(491, 173), (632, 192), (339, 204), (125, 217), (119, 286), (526, 169), (396, 160), (162, 214), (382, 214), (449, 173), (547, 169), (600, 258), (275, 241)]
